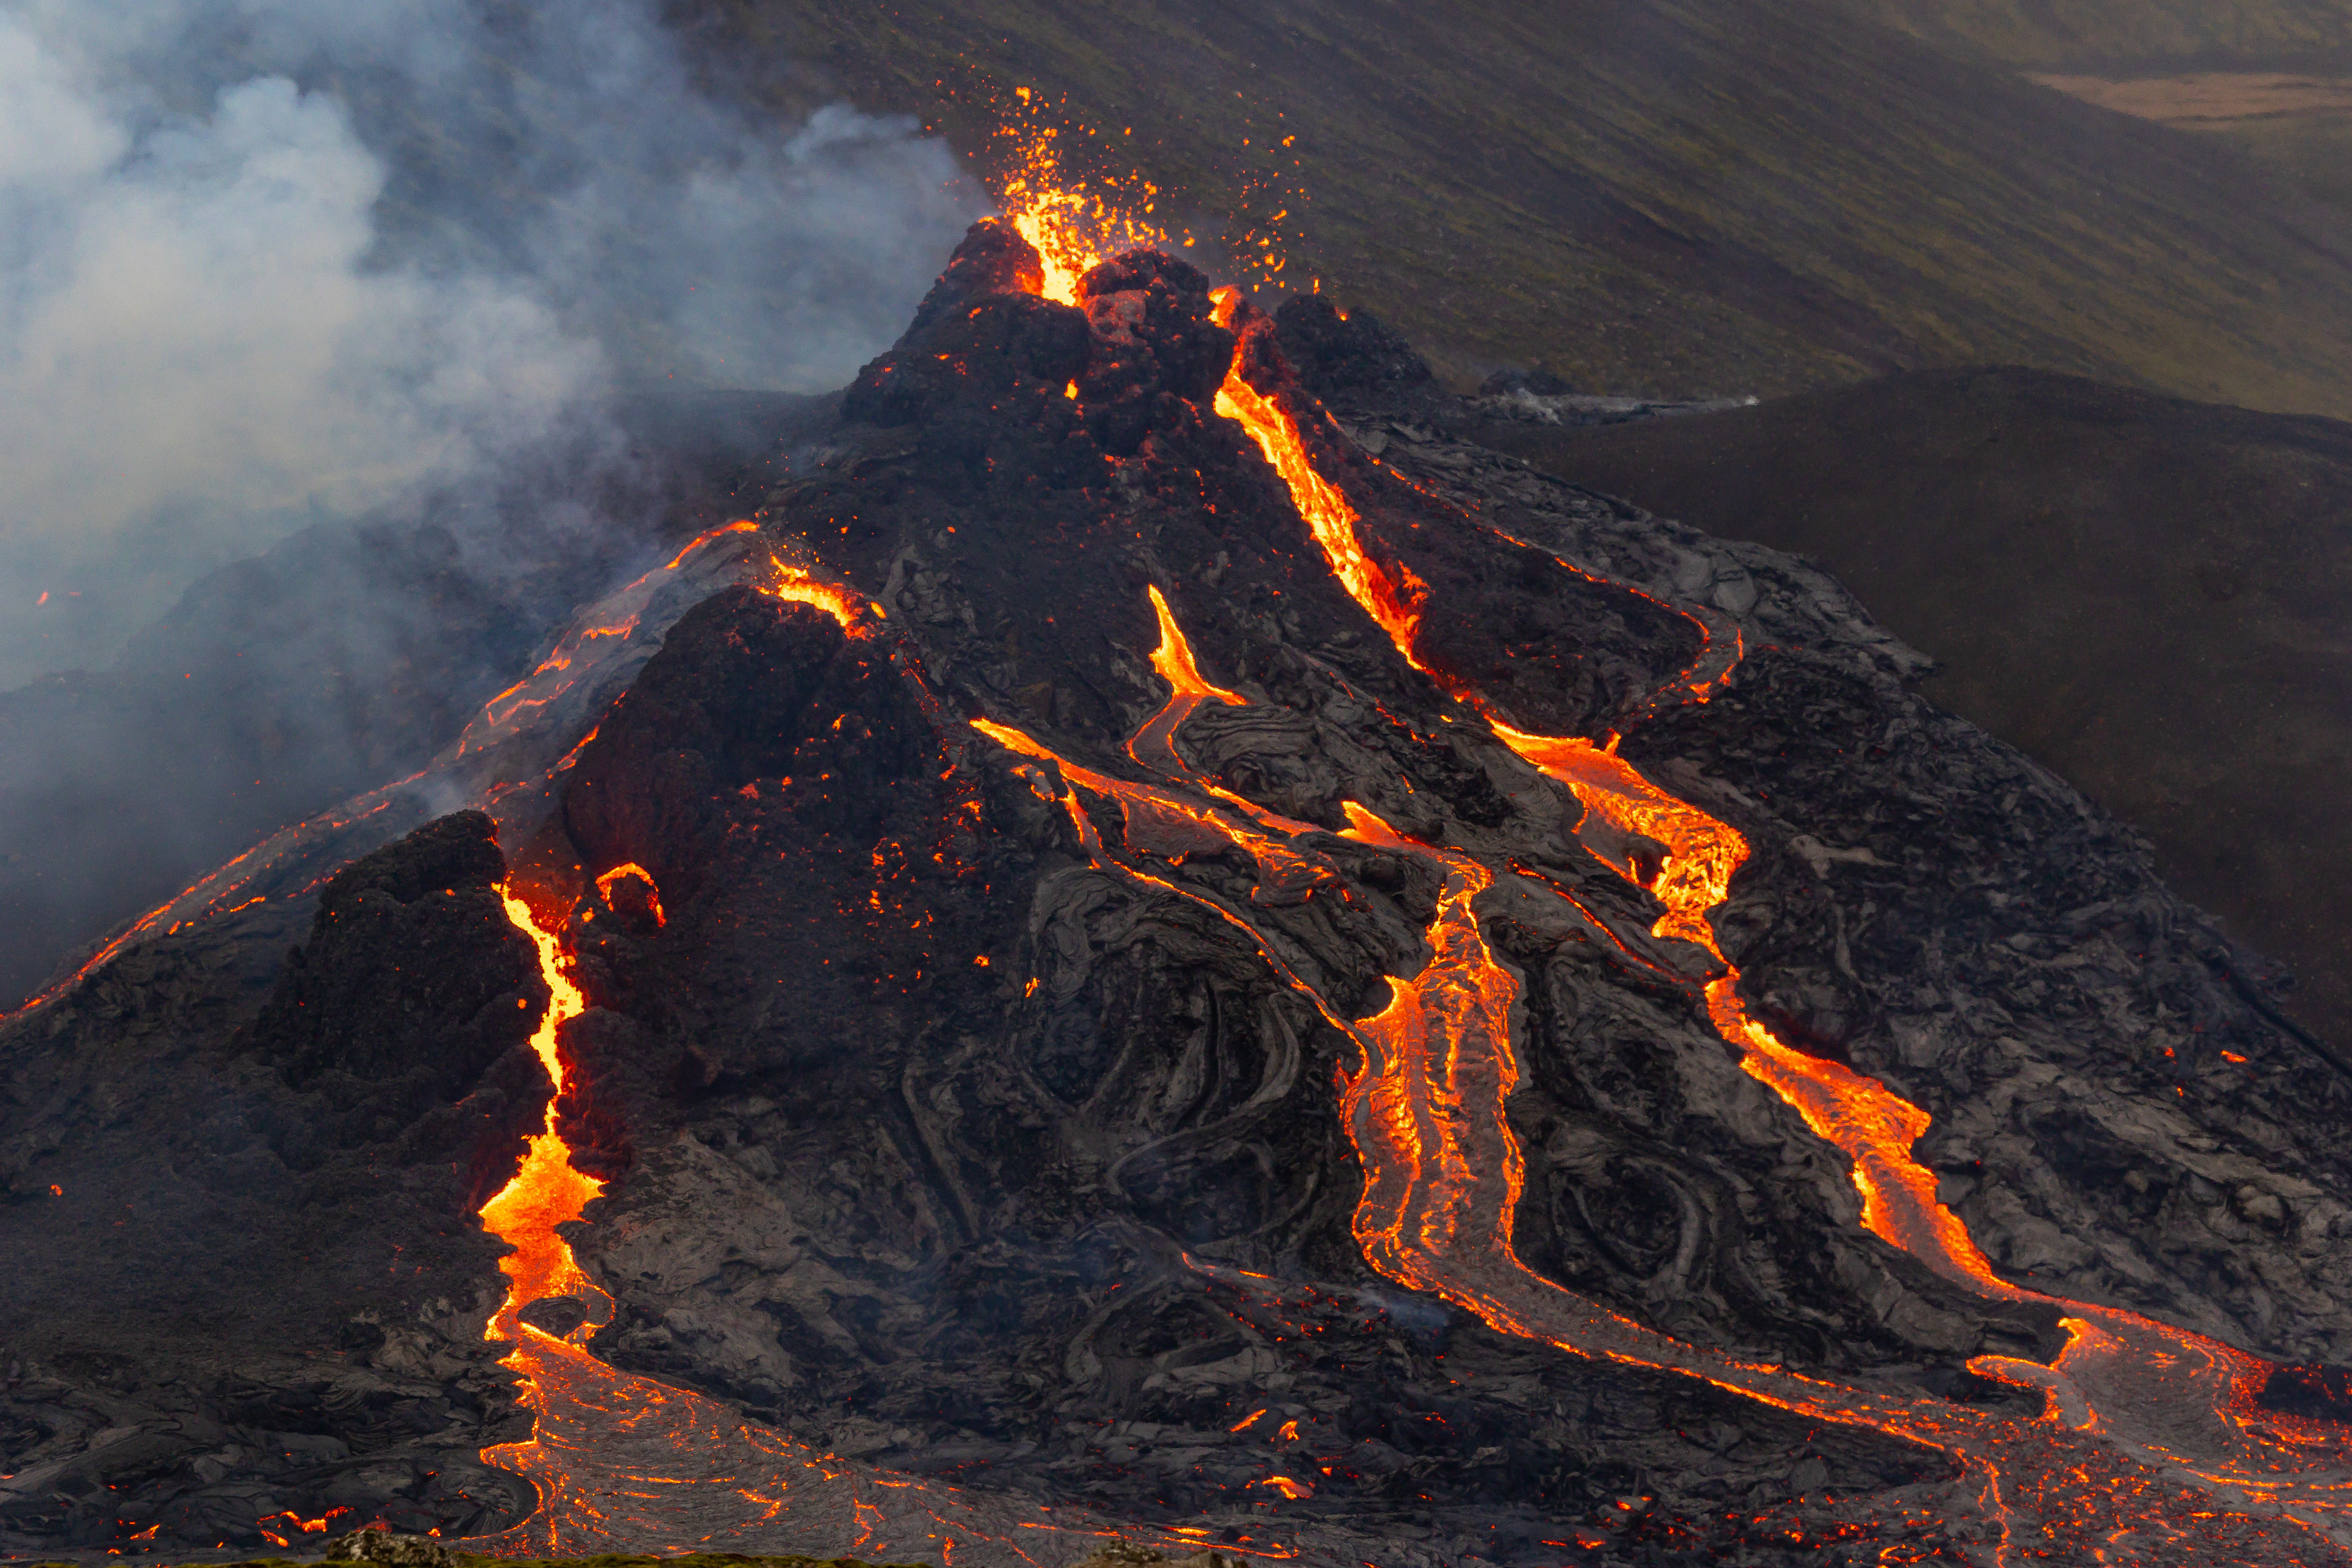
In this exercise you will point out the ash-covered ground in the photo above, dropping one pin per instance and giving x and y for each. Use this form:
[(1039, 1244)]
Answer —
[(941, 1141)]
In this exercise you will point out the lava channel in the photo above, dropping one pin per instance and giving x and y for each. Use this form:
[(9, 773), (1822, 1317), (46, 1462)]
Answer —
[(2152, 1444), (626, 1464)]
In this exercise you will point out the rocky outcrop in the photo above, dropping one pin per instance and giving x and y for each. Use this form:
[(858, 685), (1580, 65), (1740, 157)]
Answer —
[(245, 1277), (412, 985)]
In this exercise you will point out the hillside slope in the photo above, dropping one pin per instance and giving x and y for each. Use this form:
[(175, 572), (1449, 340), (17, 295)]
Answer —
[(2146, 595), (2269, 79), (1690, 196), (2120, 34)]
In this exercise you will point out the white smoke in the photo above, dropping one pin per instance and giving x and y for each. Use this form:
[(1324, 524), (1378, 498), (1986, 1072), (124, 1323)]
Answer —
[(265, 262)]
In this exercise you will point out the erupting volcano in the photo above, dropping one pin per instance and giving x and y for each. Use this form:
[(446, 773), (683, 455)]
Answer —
[(1152, 949)]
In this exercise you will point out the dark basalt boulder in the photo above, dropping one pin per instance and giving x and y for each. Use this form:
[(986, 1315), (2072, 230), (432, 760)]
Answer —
[(412, 983), (750, 694), (991, 259), (1157, 349), (1349, 359), (2322, 1393)]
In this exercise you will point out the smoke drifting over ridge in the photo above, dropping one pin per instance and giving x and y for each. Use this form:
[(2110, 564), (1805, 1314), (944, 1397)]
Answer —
[(340, 348), (269, 263)]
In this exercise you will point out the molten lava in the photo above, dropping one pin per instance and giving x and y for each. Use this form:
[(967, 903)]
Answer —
[(798, 585), (541, 687), (1071, 225), (1393, 601), (1172, 662), (1074, 221), (1443, 1175), (1875, 1128), (653, 893), (545, 1191), (1154, 745)]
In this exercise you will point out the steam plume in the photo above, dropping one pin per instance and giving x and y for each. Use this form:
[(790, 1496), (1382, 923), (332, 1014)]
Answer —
[(269, 261), (326, 334)]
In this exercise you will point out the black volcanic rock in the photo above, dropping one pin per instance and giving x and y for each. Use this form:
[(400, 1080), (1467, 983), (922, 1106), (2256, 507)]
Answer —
[(991, 259), (1349, 359), (413, 981), (2323, 1393), (1155, 347), (748, 693), (240, 1211), (978, 340)]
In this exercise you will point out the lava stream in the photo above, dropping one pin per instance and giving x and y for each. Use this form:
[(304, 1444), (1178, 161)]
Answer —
[(1443, 1175), (1392, 600), (624, 1464), (1874, 1127), (1427, 1114), (545, 1191)]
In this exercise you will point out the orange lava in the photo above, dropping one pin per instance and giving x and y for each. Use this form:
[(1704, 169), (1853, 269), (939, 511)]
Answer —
[(1443, 1172), (740, 525), (1154, 745), (288, 1521), (545, 1191), (630, 868), (1443, 1175), (1415, 1071), (1172, 659), (1073, 225), (798, 585), (1875, 1128), (1392, 601)]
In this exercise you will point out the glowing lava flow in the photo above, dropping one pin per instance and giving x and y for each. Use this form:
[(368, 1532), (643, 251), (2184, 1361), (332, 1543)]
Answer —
[(545, 1191), (1393, 601), (1857, 1114), (798, 585), (538, 688), (1874, 1127), (1443, 1175), (1441, 1170)]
